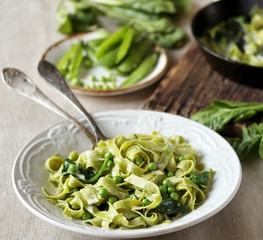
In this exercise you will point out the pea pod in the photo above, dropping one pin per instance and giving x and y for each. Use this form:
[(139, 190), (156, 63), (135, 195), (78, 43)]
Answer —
[(75, 63), (142, 71), (65, 61), (94, 44), (111, 42), (125, 45), (108, 60), (137, 52)]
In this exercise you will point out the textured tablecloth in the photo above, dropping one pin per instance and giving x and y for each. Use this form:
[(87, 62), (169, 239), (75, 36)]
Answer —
[(28, 27)]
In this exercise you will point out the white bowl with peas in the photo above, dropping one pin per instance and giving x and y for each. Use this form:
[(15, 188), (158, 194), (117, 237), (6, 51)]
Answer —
[(104, 64)]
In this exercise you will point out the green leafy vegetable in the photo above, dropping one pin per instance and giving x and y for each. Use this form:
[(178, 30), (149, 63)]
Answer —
[(200, 178), (70, 167), (222, 113), (76, 18), (251, 143), (151, 18), (169, 206), (79, 174)]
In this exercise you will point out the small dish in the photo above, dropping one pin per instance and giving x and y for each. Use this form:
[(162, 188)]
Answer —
[(29, 173), (55, 52), (213, 14)]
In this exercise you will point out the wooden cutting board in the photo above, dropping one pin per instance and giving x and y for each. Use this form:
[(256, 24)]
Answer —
[(192, 85)]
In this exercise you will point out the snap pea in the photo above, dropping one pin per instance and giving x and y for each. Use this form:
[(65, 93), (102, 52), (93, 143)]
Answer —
[(142, 71), (125, 45), (94, 44), (65, 61), (108, 60), (90, 55), (137, 52), (111, 42), (75, 63)]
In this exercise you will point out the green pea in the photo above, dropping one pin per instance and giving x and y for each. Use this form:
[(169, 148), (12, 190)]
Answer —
[(181, 158), (163, 189), (170, 189), (152, 166), (86, 216), (117, 179), (73, 168), (103, 192), (170, 174), (174, 196), (138, 160), (146, 201), (112, 199), (74, 155), (110, 164), (166, 182), (76, 82), (108, 156)]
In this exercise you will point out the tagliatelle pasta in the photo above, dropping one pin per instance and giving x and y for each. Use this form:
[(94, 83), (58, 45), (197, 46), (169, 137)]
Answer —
[(134, 182)]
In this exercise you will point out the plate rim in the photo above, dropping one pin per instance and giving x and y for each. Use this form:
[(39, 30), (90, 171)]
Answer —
[(117, 233)]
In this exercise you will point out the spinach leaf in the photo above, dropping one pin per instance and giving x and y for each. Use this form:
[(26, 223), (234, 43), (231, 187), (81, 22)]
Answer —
[(171, 207), (74, 16), (200, 179), (79, 173), (222, 112), (151, 6), (251, 143), (151, 18)]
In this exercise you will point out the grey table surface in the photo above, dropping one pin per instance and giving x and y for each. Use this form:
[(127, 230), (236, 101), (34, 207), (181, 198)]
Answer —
[(28, 27)]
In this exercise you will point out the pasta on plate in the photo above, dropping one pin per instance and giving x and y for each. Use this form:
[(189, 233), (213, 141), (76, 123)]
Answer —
[(128, 183)]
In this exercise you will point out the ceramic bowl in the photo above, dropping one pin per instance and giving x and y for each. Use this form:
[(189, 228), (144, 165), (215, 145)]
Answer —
[(57, 50)]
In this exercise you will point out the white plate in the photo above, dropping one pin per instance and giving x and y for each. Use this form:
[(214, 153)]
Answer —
[(56, 51), (29, 174)]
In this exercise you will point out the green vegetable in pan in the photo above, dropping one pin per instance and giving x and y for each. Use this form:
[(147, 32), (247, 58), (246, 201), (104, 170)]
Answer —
[(239, 38)]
